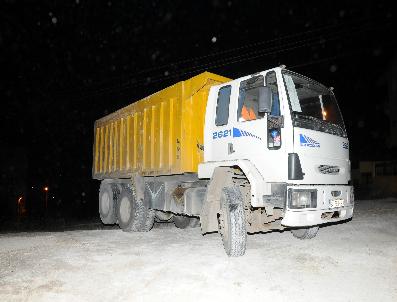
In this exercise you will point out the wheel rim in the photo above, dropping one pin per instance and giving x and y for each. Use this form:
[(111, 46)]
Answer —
[(125, 209), (105, 203)]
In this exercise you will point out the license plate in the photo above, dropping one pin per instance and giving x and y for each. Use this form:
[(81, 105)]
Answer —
[(337, 203)]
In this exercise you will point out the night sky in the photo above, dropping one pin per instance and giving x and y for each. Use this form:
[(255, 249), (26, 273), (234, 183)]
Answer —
[(67, 63)]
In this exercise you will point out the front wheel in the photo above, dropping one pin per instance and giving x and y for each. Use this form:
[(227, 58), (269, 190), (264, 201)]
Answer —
[(232, 222), (306, 233)]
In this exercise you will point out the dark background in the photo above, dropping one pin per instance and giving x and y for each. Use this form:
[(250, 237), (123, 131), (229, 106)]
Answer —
[(66, 63)]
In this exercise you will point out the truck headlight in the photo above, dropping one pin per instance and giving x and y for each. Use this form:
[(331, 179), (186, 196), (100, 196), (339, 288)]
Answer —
[(301, 199)]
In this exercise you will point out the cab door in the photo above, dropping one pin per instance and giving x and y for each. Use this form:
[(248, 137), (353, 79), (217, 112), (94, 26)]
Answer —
[(217, 149), (258, 137)]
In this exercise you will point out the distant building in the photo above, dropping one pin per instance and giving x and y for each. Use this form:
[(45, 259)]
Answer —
[(376, 178)]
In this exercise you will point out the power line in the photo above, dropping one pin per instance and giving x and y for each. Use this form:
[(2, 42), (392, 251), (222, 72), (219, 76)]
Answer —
[(233, 60), (230, 50)]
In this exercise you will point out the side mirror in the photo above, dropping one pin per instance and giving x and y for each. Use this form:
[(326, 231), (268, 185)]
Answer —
[(265, 100)]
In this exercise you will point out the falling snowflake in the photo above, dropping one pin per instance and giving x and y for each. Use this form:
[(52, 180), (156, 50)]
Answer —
[(333, 68), (213, 40)]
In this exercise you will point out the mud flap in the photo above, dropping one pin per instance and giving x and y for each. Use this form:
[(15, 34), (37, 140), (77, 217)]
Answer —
[(138, 183), (222, 177)]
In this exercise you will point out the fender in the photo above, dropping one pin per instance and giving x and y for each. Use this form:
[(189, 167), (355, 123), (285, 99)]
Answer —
[(221, 177), (259, 187)]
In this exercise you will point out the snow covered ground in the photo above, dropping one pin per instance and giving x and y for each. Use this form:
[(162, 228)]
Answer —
[(353, 261)]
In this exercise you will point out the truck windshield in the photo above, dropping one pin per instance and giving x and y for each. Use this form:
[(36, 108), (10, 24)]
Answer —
[(313, 105)]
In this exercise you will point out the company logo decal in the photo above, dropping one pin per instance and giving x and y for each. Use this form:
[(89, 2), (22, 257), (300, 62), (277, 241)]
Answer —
[(235, 132), (308, 142), (345, 145), (238, 132)]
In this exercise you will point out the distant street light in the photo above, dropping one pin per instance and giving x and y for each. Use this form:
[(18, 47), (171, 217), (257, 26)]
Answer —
[(46, 198), (19, 206)]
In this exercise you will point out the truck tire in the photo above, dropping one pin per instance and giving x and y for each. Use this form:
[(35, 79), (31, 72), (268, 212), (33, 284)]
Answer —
[(183, 221), (133, 215), (306, 233), (232, 222), (108, 198)]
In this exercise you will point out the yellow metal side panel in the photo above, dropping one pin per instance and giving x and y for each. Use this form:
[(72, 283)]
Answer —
[(146, 139), (116, 136), (171, 139), (178, 129), (128, 143), (202, 103), (157, 149), (187, 135), (137, 143), (107, 147), (96, 150), (110, 158), (193, 120), (111, 144), (153, 133), (121, 145), (163, 151), (102, 151), (118, 146), (158, 135)]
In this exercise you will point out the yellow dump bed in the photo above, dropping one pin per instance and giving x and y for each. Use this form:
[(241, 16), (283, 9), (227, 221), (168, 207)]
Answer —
[(161, 134)]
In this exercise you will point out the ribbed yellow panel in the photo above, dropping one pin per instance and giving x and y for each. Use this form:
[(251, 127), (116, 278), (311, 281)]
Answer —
[(96, 149), (158, 135), (171, 138), (128, 149), (146, 139), (102, 150), (164, 151), (107, 147), (121, 145)]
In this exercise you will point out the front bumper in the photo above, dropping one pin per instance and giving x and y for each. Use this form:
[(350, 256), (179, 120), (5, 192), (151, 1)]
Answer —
[(323, 213)]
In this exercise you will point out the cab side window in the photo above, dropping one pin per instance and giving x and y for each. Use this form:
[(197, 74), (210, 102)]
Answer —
[(248, 99), (222, 106)]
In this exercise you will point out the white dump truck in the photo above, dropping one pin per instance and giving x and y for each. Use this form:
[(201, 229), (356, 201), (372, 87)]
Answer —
[(268, 151)]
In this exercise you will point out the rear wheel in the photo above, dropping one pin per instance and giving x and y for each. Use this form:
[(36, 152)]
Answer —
[(108, 197), (133, 215), (232, 222), (306, 233)]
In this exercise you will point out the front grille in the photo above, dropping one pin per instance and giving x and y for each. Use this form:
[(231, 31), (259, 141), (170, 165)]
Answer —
[(330, 170)]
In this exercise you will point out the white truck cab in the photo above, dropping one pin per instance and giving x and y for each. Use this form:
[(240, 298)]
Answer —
[(286, 133)]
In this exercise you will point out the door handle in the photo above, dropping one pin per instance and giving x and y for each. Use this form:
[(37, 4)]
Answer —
[(230, 148)]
